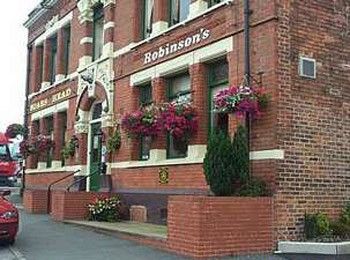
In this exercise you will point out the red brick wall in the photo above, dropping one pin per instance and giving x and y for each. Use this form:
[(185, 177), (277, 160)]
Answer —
[(180, 176), (313, 115), (43, 180), (35, 201), (201, 226), (71, 205)]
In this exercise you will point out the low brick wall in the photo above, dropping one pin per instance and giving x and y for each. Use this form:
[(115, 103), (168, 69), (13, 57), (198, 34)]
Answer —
[(71, 205), (35, 201), (200, 226)]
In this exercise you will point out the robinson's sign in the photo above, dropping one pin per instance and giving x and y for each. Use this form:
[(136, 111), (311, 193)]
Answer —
[(171, 48)]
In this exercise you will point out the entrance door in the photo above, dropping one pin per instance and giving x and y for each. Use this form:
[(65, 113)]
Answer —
[(95, 156)]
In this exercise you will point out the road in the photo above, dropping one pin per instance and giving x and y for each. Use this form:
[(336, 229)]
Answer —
[(40, 238)]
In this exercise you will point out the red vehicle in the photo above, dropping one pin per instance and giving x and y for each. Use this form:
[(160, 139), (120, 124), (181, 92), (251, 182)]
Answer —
[(8, 219), (8, 166)]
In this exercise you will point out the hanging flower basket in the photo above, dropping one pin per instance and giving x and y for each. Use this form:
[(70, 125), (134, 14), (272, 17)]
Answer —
[(241, 100), (15, 129), (143, 122), (179, 119), (43, 143), (27, 147)]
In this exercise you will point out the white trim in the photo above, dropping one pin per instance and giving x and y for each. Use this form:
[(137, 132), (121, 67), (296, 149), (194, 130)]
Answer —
[(45, 85), (197, 8), (42, 166), (158, 27), (137, 164), (301, 67), (267, 154), (205, 53), (84, 61), (59, 78), (56, 164), (86, 40), (63, 106), (69, 168), (124, 50), (52, 30), (108, 25), (334, 248)]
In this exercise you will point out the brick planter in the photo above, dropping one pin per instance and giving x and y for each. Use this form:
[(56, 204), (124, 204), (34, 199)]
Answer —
[(200, 226), (71, 205), (35, 201)]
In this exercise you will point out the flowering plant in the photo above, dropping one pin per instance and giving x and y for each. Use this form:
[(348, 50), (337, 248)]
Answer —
[(27, 147), (69, 149), (104, 209), (142, 122), (241, 100), (179, 119), (15, 129), (43, 143), (35, 145)]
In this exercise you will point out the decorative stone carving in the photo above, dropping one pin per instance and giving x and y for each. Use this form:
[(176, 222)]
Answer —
[(81, 127), (86, 8), (52, 22)]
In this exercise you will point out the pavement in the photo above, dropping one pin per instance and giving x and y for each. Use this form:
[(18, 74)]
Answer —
[(41, 238)]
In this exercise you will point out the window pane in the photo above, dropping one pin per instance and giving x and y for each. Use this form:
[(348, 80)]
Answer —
[(147, 18), (176, 148), (98, 32), (145, 147), (179, 10), (67, 35), (145, 95), (214, 2), (97, 111), (53, 59), (179, 85)]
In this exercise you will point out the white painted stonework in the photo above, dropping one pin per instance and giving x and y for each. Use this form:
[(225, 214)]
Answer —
[(84, 61), (206, 53), (71, 168), (54, 28), (60, 107), (86, 8), (86, 40), (267, 154), (108, 25), (45, 85), (158, 28), (42, 165), (197, 8)]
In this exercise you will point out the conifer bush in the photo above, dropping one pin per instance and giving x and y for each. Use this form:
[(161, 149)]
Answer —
[(240, 155), (217, 165)]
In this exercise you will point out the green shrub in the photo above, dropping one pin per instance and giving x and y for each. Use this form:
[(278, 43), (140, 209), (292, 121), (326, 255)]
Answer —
[(340, 229), (240, 155), (253, 188), (317, 226), (345, 215), (114, 142), (217, 164)]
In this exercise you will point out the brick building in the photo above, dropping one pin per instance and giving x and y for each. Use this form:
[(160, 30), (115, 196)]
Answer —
[(90, 61)]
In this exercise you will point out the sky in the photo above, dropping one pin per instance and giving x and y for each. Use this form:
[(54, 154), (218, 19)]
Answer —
[(13, 53)]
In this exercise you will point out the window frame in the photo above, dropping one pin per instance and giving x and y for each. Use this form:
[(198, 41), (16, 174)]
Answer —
[(144, 103), (171, 19), (67, 47), (213, 2), (144, 32), (53, 58), (98, 15), (171, 97)]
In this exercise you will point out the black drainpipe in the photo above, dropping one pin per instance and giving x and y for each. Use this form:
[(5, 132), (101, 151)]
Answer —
[(247, 60), (25, 116)]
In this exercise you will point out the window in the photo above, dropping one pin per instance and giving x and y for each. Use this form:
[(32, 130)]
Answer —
[(49, 125), (179, 10), (218, 80), (145, 100), (40, 57), (63, 140), (214, 2), (67, 35), (147, 18), (53, 58), (179, 90), (98, 31)]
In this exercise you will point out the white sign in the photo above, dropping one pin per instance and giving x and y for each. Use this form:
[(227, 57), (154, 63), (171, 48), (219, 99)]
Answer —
[(168, 48)]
